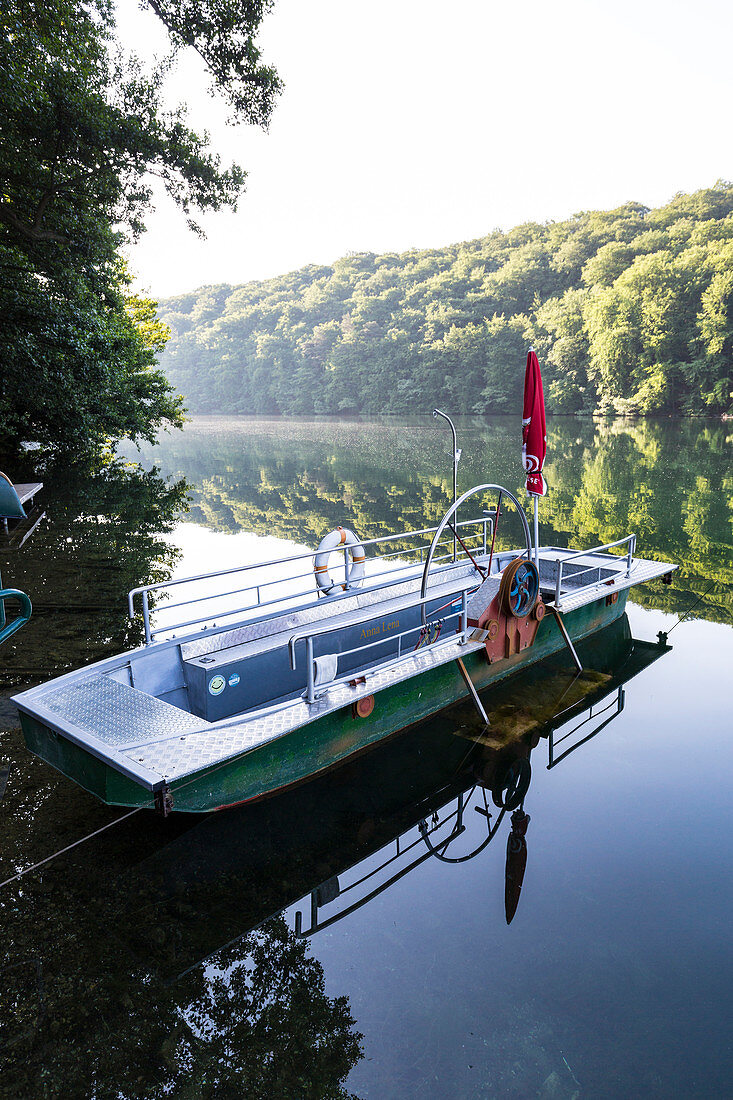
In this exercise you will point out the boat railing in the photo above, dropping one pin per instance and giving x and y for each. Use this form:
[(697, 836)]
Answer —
[(386, 871), (568, 556), (595, 711), (308, 637), (267, 592)]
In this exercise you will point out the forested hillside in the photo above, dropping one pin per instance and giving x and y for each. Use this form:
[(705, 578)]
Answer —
[(630, 310)]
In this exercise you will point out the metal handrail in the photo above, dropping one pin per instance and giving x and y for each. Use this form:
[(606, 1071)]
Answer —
[(452, 511), (630, 539), (308, 636), (484, 522)]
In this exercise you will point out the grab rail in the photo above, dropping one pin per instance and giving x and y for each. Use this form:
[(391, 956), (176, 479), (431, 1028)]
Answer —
[(484, 523), (630, 539), (308, 636)]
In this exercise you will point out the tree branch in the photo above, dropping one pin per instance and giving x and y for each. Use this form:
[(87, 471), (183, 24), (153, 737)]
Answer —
[(30, 232)]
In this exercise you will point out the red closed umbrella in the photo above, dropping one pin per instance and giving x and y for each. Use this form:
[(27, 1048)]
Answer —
[(534, 437)]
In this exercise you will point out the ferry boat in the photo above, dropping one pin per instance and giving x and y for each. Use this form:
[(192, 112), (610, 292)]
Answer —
[(254, 679)]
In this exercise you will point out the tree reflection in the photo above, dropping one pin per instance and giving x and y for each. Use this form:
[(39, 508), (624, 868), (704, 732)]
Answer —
[(104, 533), (669, 482)]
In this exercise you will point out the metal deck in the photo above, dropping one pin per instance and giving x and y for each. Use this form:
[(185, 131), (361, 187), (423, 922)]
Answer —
[(109, 718), (615, 576)]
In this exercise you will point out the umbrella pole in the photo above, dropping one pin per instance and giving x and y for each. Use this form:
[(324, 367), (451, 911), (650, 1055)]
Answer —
[(536, 532)]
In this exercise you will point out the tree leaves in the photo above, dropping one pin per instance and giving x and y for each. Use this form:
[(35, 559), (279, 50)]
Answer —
[(631, 310), (82, 135)]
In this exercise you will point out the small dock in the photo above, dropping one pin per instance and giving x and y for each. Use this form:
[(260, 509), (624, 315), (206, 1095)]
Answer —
[(14, 500), (27, 490)]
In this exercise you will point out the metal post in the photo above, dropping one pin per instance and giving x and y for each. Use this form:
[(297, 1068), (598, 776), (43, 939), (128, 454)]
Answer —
[(311, 689), (566, 636), (536, 533), (146, 617), (456, 456), (472, 691), (558, 582)]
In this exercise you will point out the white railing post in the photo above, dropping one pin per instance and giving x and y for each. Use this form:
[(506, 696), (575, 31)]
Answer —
[(464, 618), (630, 555), (146, 617), (311, 689)]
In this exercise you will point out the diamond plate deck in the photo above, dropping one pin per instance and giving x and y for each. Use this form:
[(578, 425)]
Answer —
[(115, 713), (174, 759), (641, 571)]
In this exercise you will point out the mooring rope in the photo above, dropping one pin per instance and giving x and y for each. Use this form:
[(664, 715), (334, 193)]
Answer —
[(689, 609), (68, 847)]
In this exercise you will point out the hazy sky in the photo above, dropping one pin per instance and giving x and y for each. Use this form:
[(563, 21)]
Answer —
[(412, 123)]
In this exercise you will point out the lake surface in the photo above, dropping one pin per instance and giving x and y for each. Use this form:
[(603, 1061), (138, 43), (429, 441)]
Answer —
[(175, 958)]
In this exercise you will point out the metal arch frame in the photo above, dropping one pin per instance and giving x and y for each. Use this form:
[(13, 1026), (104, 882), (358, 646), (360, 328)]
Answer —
[(448, 516)]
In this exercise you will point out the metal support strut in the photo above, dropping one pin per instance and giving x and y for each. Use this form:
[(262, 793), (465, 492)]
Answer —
[(472, 692), (566, 636)]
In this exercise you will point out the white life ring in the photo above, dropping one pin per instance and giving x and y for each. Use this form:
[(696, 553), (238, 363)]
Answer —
[(342, 536)]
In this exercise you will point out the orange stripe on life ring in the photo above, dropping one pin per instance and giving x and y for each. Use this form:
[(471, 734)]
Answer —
[(343, 535), (356, 560), (321, 569)]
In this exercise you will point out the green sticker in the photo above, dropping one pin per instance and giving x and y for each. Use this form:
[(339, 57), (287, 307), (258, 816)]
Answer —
[(217, 685)]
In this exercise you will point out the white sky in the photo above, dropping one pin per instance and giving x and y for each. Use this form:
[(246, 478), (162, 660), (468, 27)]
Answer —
[(413, 123)]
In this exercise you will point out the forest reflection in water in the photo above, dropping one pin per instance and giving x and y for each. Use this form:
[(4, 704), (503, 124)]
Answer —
[(104, 530), (668, 481), (173, 962)]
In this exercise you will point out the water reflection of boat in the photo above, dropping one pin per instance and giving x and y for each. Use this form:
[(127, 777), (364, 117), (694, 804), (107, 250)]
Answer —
[(324, 850), (212, 713), (193, 940)]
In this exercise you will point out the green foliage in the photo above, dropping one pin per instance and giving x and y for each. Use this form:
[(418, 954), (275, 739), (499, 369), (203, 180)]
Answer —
[(630, 309), (82, 134)]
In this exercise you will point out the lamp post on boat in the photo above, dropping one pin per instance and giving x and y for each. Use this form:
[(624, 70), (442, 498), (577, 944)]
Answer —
[(456, 458)]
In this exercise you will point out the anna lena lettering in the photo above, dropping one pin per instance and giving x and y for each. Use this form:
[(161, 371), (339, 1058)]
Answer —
[(380, 628)]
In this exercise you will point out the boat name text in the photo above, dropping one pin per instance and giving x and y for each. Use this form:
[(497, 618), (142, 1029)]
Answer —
[(380, 628)]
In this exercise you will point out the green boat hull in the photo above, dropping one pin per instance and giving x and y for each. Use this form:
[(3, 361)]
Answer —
[(322, 744)]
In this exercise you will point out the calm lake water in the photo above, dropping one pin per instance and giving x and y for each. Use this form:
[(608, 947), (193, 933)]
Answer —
[(348, 938)]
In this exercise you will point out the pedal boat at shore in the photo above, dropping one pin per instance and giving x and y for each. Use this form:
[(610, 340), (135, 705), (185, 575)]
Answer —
[(221, 707)]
